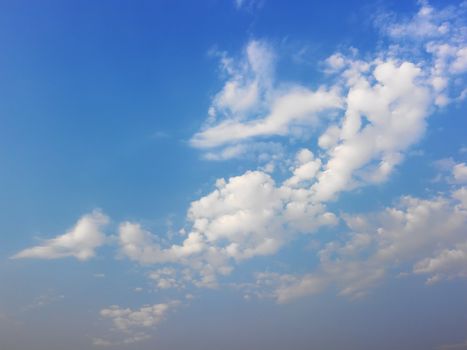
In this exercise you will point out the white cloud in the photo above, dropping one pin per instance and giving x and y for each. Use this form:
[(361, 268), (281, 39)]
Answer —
[(249, 215), (441, 32), (133, 324), (450, 171), (397, 236), (248, 85), (459, 173), (246, 216), (80, 241), (245, 212), (394, 109), (148, 316), (286, 287), (448, 264), (376, 108), (428, 234), (335, 62), (166, 277), (427, 23), (306, 168), (461, 195), (298, 107), (251, 106), (263, 152), (459, 65), (141, 246), (373, 111)]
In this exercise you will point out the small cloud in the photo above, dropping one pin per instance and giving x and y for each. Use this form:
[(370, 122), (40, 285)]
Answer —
[(80, 241), (133, 324)]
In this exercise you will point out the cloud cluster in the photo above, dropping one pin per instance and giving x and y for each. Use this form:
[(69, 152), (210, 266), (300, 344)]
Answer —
[(134, 323), (375, 109), (244, 217), (439, 32), (386, 111), (418, 236), (252, 105), (167, 277)]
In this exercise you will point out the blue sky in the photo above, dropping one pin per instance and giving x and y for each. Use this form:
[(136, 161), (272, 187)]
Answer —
[(233, 174)]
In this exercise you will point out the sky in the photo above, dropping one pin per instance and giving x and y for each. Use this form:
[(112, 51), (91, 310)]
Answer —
[(233, 174)]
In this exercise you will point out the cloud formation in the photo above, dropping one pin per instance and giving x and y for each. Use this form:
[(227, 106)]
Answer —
[(133, 324), (80, 241), (370, 111), (357, 126), (375, 108), (252, 105), (459, 173), (400, 239), (246, 216)]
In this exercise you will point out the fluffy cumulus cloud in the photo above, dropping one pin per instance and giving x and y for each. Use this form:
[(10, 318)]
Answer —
[(254, 216), (388, 99), (385, 114), (441, 33), (376, 108), (244, 217), (80, 241)]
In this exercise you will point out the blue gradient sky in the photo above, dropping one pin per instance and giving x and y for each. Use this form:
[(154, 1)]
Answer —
[(119, 120)]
